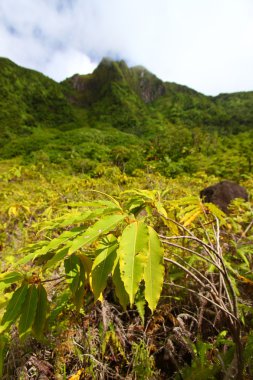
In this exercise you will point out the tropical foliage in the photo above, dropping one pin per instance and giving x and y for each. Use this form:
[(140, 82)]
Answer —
[(111, 265)]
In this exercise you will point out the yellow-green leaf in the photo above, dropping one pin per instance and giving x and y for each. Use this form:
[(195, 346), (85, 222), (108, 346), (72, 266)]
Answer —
[(216, 211), (76, 278), (58, 256), (101, 227), (190, 217), (161, 209), (52, 245), (86, 262), (103, 265), (14, 307), (120, 288), (10, 277), (72, 269), (154, 269), (28, 310), (132, 255)]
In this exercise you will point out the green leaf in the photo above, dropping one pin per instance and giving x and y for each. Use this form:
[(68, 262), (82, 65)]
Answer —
[(191, 200), (161, 209), (135, 205), (154, 269), (52, 245), (103, 264), (14, 307), (86, 262), (66, 220), (173, 228), (65, 236), (190, 216), (104, 202), (146, 195), (41, 312), (101, 227), (11, 277), (216, 211), (120, 288), (75, 271), (72, 269), (132, 253), (28, 310), (243, 252), (59, 255), (80, 217), (61, 303)]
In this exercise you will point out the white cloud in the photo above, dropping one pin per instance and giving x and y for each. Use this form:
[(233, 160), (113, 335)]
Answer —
[(64, 64), (205, 44)]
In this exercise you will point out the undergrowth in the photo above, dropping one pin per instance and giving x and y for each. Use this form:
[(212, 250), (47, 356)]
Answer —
[(191, 317)]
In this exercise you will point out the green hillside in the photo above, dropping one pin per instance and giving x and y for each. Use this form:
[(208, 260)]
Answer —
[(125, 117), (28, 100)]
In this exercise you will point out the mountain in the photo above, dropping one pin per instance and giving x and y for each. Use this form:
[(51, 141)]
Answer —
[(108, 115), (141, 96), (115, 94), (137, 81), (29, 99)]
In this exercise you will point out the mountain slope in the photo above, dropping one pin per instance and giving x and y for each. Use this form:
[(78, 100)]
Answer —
[(116, 94), (29, 99), (137, 99), (125, 117), (130, 99)]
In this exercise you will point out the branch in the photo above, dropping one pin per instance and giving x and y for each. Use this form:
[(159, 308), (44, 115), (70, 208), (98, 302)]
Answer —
[(206, 298), (195, 253)]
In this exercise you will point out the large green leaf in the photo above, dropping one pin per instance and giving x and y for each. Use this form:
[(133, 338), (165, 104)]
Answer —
[(101, 227), (133, 246), (41, 312), (14, 307), (120, 287), (28, 310), (154, 269), (103, 264)]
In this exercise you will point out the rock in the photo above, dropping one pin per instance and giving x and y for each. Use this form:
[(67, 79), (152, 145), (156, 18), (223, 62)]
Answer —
[(222, 193)]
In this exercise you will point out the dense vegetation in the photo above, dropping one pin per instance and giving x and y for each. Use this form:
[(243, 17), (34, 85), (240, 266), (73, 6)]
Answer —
[(123, 117), (112, 267)]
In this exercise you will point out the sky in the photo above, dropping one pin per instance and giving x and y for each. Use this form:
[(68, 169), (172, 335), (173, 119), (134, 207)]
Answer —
[(204, 44)]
